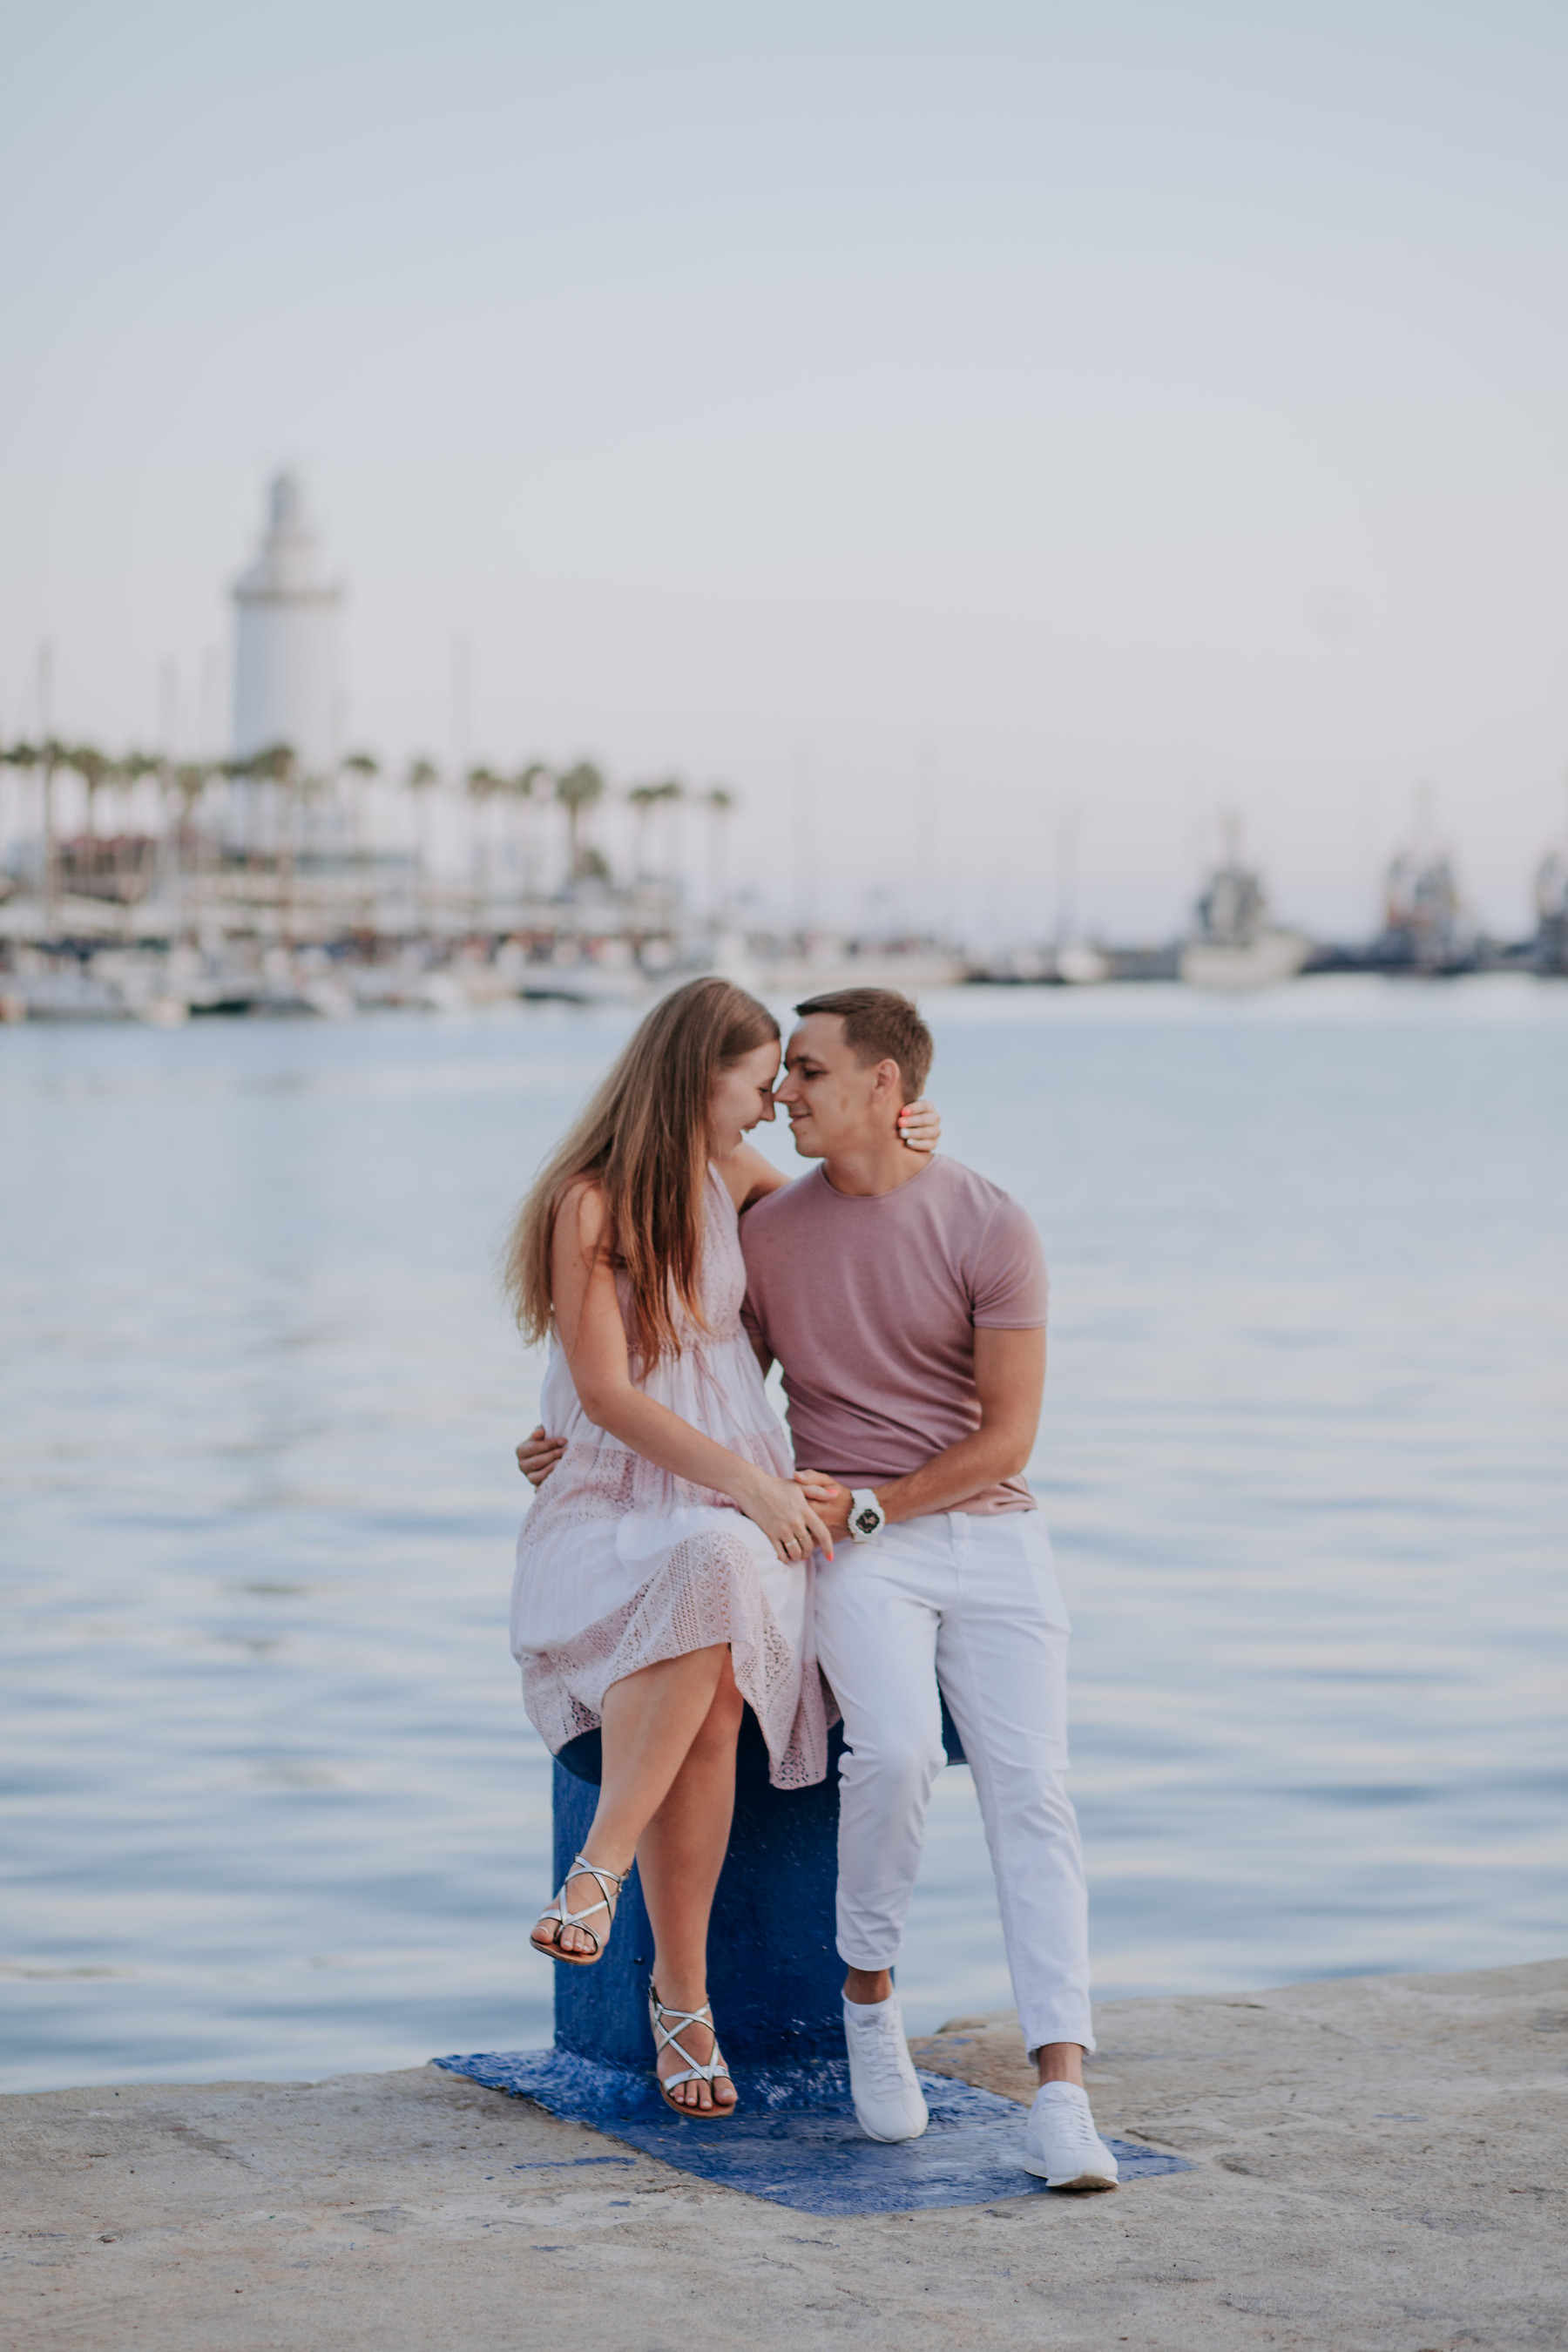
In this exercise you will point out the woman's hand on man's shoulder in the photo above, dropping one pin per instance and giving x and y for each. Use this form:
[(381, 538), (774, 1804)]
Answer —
[(920, 1125)]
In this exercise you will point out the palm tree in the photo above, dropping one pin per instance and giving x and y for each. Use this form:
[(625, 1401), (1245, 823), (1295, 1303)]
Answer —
[(129, 769), (362, 768), (96, 769), (577, 790), (274, 765), (234, 822), (277, 765), (421, 780), (672, 791), (125, 773), (526, 789), (17, 756), (644, 799), (20, 755), (483, 784), (718, 801), (182, 784), (52, 755)]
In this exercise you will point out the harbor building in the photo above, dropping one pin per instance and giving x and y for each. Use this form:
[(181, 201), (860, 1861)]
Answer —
[(288, 629)]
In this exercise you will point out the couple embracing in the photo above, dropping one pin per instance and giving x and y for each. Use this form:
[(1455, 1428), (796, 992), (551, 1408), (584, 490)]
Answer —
[(677, 1566)]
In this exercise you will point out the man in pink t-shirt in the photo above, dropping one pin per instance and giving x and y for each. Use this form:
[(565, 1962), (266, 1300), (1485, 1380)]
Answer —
[(905, 1301)]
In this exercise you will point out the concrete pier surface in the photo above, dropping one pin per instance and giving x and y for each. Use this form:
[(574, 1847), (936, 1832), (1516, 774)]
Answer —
[(1379, 2162)]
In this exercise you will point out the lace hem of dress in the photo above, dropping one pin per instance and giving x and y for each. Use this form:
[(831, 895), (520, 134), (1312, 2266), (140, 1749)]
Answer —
[(707, 1591)]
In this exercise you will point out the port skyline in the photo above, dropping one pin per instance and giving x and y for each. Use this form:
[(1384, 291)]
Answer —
[(1044, 421)]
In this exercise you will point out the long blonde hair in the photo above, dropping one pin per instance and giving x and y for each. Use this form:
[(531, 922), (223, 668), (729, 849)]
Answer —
[(643, 1140)]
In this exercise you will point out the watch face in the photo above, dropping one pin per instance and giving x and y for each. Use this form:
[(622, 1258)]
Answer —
[(868, 1520)]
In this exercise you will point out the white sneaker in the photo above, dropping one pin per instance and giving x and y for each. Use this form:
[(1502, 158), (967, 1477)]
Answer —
[(1061, 2147), (889, 2101)]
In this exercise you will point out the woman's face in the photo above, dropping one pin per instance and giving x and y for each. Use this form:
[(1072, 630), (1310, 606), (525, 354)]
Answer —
[(743, 1094)]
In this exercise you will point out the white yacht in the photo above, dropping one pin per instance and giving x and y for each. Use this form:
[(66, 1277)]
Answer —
[(1233, 943)]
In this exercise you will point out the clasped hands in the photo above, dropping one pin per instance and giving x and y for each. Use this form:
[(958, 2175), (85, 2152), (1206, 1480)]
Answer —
[(829, 1499), (538, 1455)]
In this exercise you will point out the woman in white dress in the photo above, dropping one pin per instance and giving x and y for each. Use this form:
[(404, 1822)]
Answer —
[(663, 1571)]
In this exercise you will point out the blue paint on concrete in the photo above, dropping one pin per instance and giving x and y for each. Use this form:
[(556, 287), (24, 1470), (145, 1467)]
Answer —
[(794, 2141)]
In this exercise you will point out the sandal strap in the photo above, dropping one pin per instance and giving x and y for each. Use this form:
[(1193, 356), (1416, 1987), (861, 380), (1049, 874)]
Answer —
[(695, 2072), (709, 2075), (594, 1871), (583, 1868)]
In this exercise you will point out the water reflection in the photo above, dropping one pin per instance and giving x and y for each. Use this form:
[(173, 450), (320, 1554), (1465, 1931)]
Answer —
[(273, 1807)]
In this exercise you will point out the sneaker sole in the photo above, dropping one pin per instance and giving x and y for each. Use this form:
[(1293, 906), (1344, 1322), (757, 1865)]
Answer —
[(891, 2139), (1080, 2180)]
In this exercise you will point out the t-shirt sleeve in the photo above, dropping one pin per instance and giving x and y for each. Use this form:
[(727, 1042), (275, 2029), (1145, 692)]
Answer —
[(1009, 1284)]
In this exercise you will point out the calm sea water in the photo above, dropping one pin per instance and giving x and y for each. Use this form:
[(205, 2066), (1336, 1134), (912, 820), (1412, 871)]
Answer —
[(271, 1806)]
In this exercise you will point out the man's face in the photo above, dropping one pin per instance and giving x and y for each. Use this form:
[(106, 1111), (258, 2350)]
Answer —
[(833, 1101)]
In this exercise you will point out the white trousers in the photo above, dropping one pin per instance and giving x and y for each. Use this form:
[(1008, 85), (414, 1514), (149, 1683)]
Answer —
[(972, 1599)]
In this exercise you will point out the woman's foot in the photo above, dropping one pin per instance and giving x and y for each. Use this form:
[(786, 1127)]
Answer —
[(576, 1925), (693, 2044)]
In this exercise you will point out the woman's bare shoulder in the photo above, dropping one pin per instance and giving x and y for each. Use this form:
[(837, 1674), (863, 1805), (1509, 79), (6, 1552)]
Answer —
[(582, 1214)]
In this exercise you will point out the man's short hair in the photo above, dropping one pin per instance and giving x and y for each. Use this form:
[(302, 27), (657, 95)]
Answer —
[(881, 1025)]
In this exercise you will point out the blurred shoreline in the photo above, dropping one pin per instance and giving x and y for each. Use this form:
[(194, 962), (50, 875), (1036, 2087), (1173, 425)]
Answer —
[(102, 961)]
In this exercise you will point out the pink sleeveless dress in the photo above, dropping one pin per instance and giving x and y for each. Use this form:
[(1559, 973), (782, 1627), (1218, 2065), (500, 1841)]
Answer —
[(620, 1563)]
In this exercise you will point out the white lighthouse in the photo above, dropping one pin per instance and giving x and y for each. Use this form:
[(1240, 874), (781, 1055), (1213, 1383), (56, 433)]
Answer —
[(288, 677)]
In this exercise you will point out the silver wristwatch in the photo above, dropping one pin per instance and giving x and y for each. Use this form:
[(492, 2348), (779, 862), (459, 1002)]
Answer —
[(867, 1516)]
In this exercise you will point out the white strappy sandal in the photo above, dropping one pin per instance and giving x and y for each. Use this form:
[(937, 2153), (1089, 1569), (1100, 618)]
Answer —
[(665, 2039), (605, 1880)]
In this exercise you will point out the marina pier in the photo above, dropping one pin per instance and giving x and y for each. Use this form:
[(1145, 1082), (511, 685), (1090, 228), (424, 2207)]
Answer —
[(245, 891)]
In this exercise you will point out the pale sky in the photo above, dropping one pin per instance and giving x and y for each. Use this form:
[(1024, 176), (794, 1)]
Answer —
[(985, 411)]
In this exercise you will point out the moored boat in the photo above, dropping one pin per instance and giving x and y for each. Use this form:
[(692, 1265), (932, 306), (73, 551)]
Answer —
[(1233, 943)]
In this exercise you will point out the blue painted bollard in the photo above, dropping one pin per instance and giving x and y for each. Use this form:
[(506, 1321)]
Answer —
[(774, 1973)]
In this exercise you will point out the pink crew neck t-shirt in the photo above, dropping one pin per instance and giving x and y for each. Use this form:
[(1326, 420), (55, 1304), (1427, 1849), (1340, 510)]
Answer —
[(871, 1303)]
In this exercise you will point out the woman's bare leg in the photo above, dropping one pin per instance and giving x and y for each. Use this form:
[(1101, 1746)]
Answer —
[(680, 1857), (650, 1719)]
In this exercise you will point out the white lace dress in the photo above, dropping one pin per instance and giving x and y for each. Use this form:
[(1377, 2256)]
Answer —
[(620, 1563)]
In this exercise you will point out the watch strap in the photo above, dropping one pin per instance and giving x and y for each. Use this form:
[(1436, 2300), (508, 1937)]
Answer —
[(867, 1516)]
